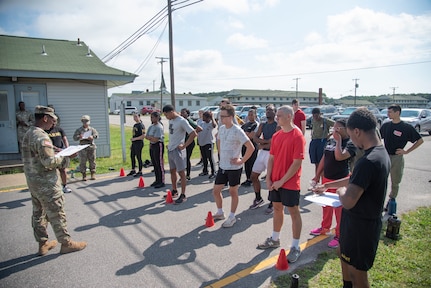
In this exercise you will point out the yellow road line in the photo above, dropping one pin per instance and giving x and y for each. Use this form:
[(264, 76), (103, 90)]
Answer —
[(261, 265)]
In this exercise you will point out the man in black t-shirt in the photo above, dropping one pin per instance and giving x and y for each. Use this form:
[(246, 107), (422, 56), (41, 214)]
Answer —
[(250, 129), (362, 200), (60, 142), (396, 134), (334, 165)]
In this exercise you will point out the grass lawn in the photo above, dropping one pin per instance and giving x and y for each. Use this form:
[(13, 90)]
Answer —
[(115, 162), (402, 263)]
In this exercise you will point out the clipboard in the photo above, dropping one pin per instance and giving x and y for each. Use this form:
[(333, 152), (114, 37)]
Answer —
[(325, 199), (71, 150)]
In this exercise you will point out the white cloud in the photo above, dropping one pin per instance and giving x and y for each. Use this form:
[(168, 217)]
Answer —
[(243, 42)]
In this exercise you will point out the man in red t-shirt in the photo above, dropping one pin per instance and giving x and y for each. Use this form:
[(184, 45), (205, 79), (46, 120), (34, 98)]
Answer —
[(299, 119), (283, 180)]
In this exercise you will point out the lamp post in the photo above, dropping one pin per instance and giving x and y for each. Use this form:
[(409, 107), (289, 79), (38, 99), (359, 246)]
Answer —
[(356, 86)]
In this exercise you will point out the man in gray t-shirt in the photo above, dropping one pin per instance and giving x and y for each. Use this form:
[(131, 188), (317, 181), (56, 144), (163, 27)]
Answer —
[(178, 127)]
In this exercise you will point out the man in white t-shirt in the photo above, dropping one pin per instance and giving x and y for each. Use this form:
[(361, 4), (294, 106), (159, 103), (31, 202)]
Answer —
[(178, 127)]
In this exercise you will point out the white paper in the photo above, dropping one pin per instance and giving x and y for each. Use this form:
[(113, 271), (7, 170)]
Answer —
[(72, 150), (325, 199), (86, 134)]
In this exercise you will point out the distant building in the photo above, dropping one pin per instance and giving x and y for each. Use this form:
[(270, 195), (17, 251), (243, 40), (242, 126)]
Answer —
[(405, 101), (65, 74), (349, 101), (146, 98), (276, 97)]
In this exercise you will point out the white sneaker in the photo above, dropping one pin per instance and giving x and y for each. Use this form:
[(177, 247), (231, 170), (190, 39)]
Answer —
[(229, 222), (67, 189)]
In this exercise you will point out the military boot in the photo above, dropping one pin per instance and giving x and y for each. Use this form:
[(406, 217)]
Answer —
[(72, 246), (93, 177), (44, 247), (84, 176)]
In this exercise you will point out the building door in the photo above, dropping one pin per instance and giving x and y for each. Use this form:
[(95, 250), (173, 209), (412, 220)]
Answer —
[(31, 94), (8, 132)]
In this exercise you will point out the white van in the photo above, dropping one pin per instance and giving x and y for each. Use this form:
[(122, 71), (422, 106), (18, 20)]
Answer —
[(127, 110)]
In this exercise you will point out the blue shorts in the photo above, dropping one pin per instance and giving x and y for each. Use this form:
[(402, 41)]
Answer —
[(317, 146)]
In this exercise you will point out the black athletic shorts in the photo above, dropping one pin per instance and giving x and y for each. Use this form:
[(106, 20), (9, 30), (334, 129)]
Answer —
[(289, 198), (231, 176), (359, 239)]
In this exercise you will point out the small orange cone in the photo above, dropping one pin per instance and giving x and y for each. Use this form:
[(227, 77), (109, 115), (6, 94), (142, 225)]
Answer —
[(282, 261), (210, 220), (122, 173), (169, 199), (141, 182)]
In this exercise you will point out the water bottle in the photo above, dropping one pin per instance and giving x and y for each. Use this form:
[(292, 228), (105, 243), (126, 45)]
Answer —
[(393, 228), (392, 206), (295, 281)]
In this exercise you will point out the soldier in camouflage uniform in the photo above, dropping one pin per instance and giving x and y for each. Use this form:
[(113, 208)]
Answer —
[(24, 119), (86, 135), (40, 164)]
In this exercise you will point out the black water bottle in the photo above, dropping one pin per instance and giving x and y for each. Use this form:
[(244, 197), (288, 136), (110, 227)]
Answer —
[(295, 281), (393, 228)]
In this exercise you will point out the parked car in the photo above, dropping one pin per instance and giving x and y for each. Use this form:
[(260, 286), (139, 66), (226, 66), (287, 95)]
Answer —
[(418, 118), (195, 114), (327, 110), (384, 113), (148, 110), (127, 110), (349, 110), (244, 111)]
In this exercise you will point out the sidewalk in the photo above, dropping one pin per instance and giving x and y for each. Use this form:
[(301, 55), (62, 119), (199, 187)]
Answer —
[(12, 182)]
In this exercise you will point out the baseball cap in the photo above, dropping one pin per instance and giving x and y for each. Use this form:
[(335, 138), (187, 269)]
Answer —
[(45, 111), (85, 118)]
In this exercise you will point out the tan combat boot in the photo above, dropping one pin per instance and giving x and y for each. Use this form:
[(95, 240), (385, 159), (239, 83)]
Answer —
[(84, 176), (44, 247), (93, 177), (72, 246)]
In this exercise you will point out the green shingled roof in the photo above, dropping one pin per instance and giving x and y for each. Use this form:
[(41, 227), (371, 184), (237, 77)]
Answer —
[(21, 55)]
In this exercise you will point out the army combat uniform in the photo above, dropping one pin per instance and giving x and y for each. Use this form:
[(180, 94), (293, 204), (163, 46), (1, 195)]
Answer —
[(40, 168), (47, 197), (88, 154), (24, 119)]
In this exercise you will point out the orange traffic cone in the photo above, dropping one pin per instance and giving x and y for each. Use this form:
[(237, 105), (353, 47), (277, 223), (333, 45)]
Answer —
[(210, 220), (282, 261), (122, 173), (141, 182), (169, 199)]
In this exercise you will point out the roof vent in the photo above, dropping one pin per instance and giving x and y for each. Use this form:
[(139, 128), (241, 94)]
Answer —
[(78, 43), (43, 51), (89, 53)]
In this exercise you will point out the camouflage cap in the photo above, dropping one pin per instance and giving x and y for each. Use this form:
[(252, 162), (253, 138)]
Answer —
[(45, 111), (85, 118)]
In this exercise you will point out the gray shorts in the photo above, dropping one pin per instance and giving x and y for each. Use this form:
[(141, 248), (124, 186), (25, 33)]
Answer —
[(177, 159)]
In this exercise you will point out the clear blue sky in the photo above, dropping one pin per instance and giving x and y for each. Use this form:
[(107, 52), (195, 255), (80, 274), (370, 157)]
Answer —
[(248, 44)]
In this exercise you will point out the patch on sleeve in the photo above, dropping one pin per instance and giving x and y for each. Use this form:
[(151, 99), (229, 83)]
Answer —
[(47, 143)]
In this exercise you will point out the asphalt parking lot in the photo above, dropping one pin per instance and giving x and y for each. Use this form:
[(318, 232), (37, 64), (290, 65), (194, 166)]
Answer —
[(135, 239)]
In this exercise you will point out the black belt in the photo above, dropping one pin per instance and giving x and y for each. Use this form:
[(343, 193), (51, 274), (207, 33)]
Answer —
[(265, 149)]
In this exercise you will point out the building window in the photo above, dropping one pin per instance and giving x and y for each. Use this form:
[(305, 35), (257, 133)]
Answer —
[(180, 103), (275, 98), (246, 98), (260, 98), (141, 102), (148, 103), (128, 103), (198, 102), (189, 103), (281, 98)]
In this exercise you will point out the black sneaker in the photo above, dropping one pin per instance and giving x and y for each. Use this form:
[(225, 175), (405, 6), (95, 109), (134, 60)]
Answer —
[(159, 185), (173, 192), (188, 178), (139, 174), (211, 176), (246, 183), (181, 199), (133, 172), (154, 184), (203, 174)]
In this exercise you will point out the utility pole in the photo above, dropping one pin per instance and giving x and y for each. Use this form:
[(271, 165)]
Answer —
[(393, 92), (356, 87), (171, 54), (162, 80), (296, 79)]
